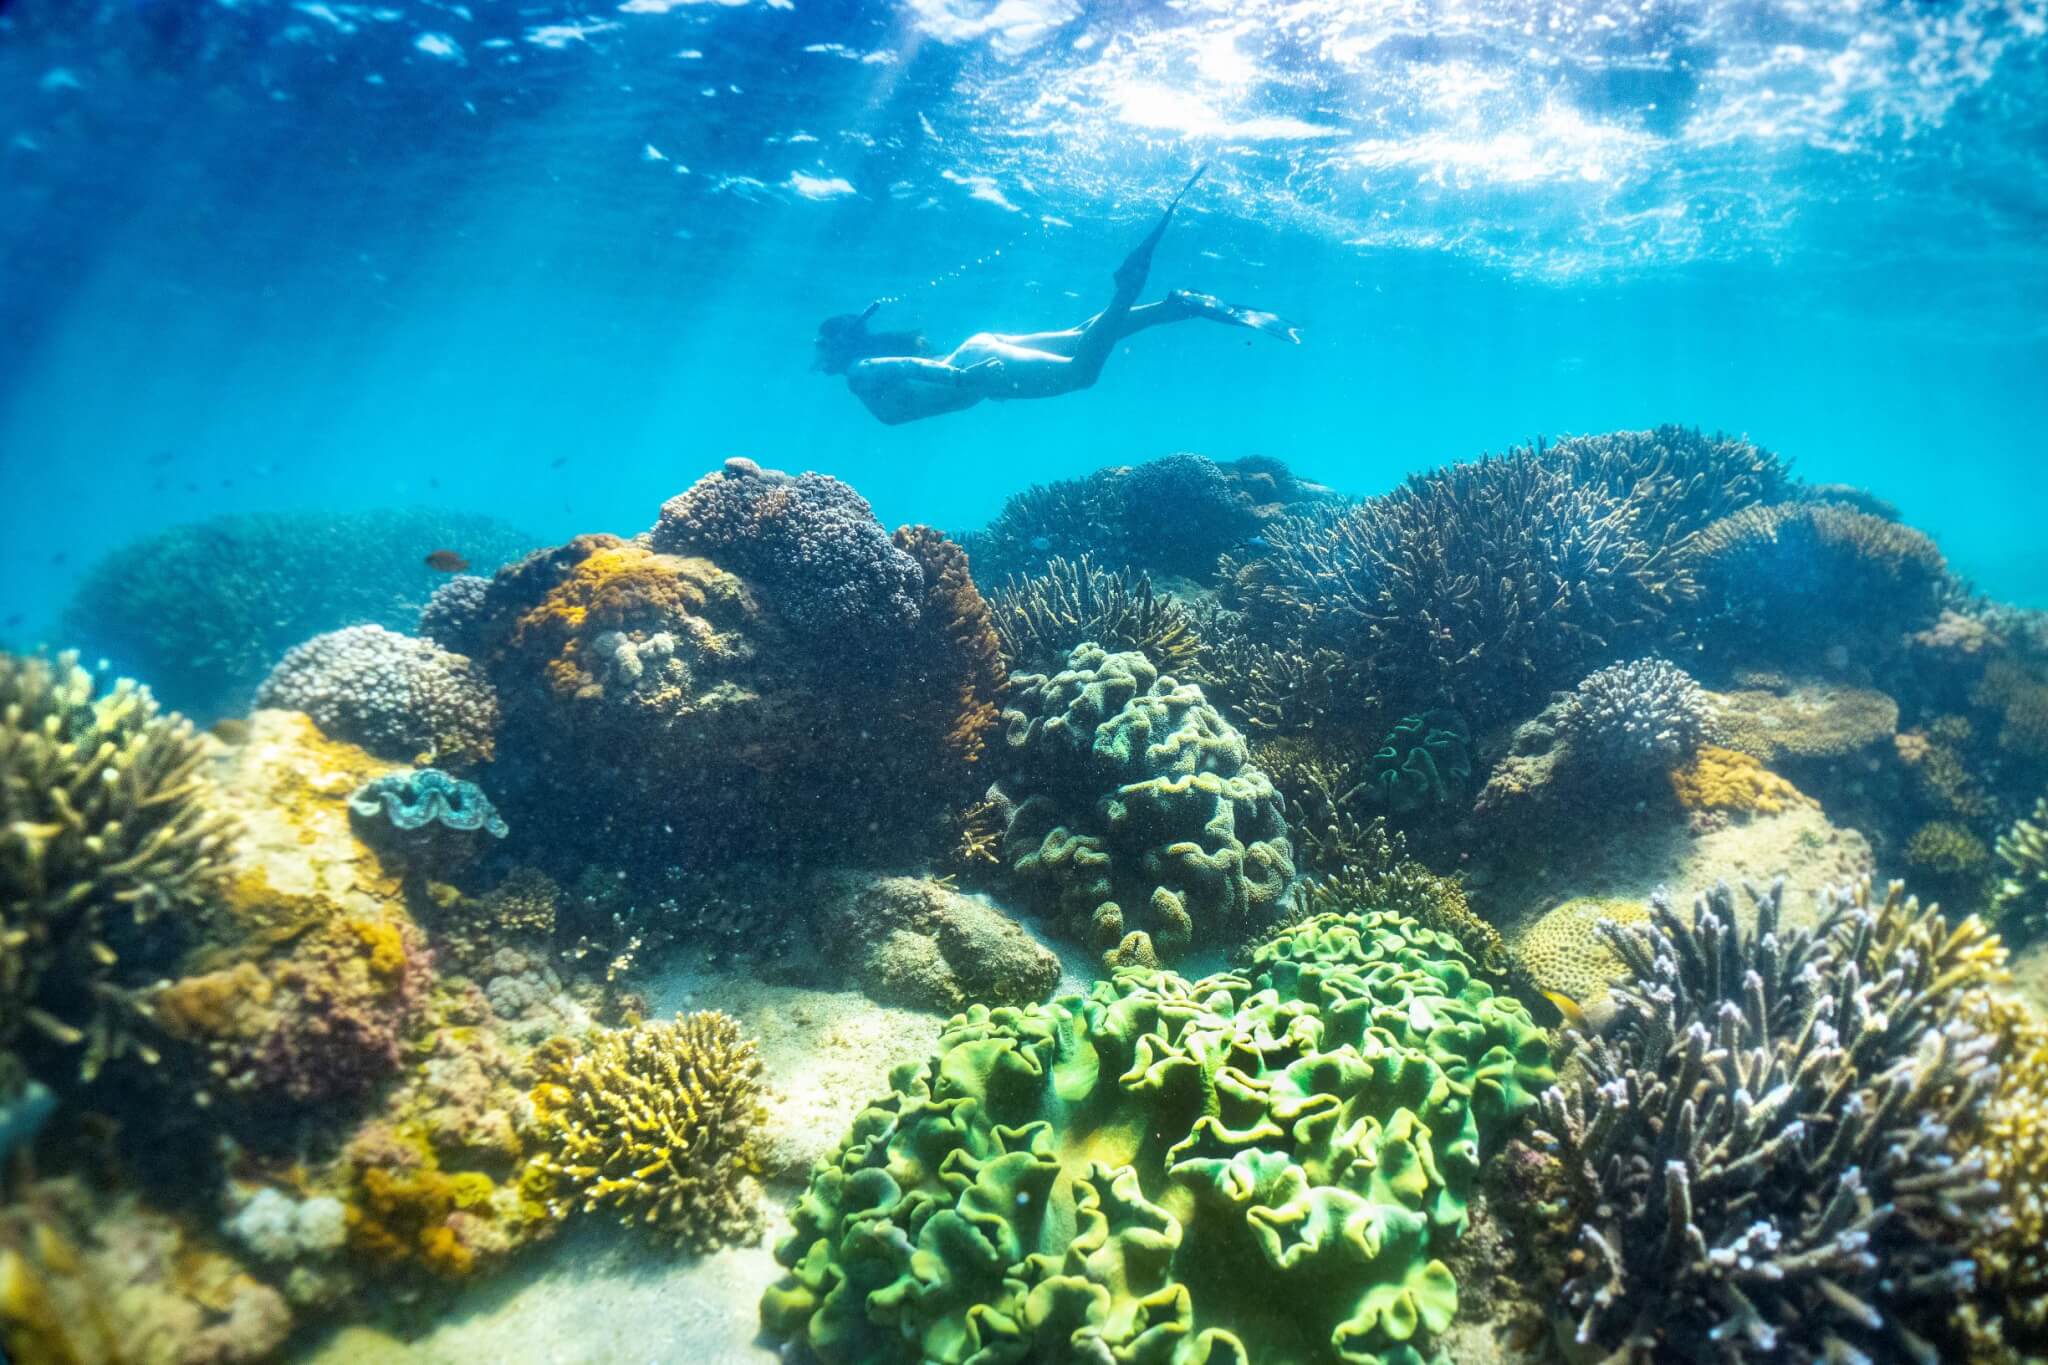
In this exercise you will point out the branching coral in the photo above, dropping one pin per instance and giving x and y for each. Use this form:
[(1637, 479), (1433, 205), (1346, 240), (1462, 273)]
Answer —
[(1756, 1157), (811, 543), (398, 697), (1684, 479), (1040, 619), (2021, 902), (1948, 857), (107, 840), (2021, 701), (1787, 579), (1645, 714), (2012, 1258), (659, 1122), (1263, 1166), (1136, 816), (1477, 586)]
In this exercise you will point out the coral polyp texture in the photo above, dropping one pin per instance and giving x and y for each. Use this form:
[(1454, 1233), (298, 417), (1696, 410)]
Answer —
[(399, 697), (1135, 816), (811, 542), (658, 1123), (1265, 1166), (2021, 900), (1718, 779), (1645, 715), (110, 846), (1756, 1159), (204, 610)]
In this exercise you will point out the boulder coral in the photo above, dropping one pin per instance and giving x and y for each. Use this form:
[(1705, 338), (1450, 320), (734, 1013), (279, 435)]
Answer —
[(1265, 1166), (1135, 816), (912, 941), (399, 697), (112, 844)]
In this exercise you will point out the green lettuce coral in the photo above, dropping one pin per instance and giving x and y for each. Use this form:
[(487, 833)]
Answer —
[(1262, 1166), (1135, 815)]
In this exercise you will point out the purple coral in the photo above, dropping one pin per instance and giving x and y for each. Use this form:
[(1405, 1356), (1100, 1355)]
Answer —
[(811, 541), (1641, 714), (396, 696)]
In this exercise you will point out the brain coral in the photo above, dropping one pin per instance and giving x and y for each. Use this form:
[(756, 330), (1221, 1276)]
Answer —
[(810, 542), (397, 696), (1136, 814), (1258, 1167), (203, 610)]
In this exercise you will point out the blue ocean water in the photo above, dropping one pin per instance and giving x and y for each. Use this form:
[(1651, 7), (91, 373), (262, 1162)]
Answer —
[(552, 262)]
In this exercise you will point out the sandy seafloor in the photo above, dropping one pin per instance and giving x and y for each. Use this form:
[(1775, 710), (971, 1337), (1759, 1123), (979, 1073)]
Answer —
[(595, 1295)]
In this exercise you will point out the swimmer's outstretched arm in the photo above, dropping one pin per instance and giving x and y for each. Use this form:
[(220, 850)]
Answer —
[(918, 369)]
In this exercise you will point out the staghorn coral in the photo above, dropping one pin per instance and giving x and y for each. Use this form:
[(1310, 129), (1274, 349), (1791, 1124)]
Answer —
[(1755, 1158), (1683, 478), (1477, 586), (2008, 1319), (1040, 619), (1647, 714), (1720, 779), (810, 542), (1136, 817), (1257, 1166), (398, 697), (110, 843), (205, 609), (659, 1121), (1948, 858), (2021, 900), (1790, 580)]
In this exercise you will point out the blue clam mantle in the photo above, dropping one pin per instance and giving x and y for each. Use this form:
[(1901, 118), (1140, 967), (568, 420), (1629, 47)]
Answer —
[(427, 796)]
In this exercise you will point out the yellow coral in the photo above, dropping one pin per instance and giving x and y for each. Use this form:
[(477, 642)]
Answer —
[(383, 944), (2012, 1262), (1722, 779), (401, 1218), (1563, 950), (658, 1121)]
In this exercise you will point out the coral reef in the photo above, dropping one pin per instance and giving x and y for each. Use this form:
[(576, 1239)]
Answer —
[(452, 611), (398, 697), (1477, 586), (1135, 815), (2021, 901), (1040, 619), (111, 844), (951, 677), (1803, 720), (1565, 954), (1683, 479), (204, 610), (1179, 512), (658, 1122), (1647, 714), (1257, 1166), (911, 941), (1425, 760), (1947, 858), (810, 542), (1792, 580), (1755, 1159), (2012, 1141), (1720, 779), (2020, 699)]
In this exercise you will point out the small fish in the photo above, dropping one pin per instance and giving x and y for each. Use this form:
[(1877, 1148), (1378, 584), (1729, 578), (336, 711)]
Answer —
[(229, 730), (162, 458), (558, 462), (60, 558), (1574, 1016), (14, 619), (446, 561), (1041, 543)]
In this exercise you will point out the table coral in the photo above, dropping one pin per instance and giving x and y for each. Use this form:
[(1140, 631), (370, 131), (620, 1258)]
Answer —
[(110, 845), (1137, 817), (1262, 1166), (659, 1122), (1804, 720), (1724, 780), (1755, 1158), (397, 696)]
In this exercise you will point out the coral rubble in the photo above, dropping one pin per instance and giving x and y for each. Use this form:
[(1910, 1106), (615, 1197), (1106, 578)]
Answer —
[(1257, 1166)]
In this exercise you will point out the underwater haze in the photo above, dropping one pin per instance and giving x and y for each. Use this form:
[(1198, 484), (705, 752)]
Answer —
[(1023, 682), (553, 262)]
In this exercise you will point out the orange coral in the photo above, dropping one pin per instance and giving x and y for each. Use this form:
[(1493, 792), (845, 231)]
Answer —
[(1722, 779), (384, 946), (400, 1218)]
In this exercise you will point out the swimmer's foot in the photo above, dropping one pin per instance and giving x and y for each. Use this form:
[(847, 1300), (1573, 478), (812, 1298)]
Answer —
[(1236, 315), (1130, 276)]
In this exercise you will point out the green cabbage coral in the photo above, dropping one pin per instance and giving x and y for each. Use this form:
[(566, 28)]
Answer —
[(1251, 1167)]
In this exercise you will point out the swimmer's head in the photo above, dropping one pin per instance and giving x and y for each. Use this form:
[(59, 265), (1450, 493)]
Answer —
[(845, 338)]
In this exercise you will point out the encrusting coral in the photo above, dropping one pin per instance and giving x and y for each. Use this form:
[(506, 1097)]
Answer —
[(1257, 1166), (110, 842), (399, 697), (1135, 813), (1042, 617), (1565, 952), (1755, 1160), (660, 1123)]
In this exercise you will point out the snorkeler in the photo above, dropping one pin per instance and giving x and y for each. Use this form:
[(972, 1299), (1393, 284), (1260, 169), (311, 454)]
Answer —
[(899, 382)]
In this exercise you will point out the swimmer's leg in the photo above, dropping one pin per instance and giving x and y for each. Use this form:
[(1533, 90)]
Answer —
[(1182, 304), (1102, 331)]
